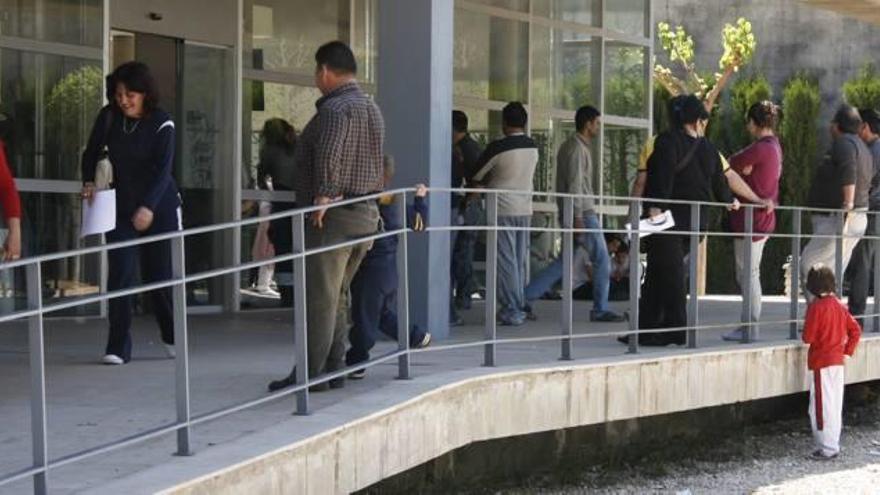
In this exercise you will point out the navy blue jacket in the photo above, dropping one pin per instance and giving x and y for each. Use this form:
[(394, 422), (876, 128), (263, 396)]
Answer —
[(143, 160)]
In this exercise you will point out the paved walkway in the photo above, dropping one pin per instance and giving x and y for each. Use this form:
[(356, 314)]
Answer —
[(233, 358)]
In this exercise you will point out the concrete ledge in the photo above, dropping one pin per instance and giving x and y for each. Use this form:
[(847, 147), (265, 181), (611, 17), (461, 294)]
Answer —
[(362, 452)]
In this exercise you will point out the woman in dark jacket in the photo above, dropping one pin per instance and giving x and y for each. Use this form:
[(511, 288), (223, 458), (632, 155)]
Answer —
[(683, 166), (139, 140)]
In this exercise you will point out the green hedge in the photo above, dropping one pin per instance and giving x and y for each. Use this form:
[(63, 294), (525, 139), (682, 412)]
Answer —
[(864, 91)]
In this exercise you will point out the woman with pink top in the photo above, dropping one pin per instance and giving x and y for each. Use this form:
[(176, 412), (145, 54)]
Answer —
[(760, 165)]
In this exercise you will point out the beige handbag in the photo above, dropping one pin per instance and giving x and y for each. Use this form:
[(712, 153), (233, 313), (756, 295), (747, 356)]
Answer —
[(104, 168), (104, 172)]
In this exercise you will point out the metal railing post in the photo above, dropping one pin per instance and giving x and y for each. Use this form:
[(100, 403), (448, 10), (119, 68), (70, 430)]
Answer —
[(491, 277), (876, 279), (37, 352), (300, 333), (746, 275), (403, 361), (181, 346), (567, 269), (794, 269), (838, 251), (635, 279), (693, 258)]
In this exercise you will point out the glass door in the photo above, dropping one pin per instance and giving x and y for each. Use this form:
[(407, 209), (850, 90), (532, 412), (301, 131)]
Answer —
[(205, 157)]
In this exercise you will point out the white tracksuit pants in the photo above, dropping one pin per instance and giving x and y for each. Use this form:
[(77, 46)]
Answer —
[(826, 408)]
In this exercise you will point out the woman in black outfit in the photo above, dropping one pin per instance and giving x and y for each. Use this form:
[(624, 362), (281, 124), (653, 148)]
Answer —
[(683, 166), (139, 140)]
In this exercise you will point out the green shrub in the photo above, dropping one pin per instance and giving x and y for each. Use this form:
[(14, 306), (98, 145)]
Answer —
[(864, 90)]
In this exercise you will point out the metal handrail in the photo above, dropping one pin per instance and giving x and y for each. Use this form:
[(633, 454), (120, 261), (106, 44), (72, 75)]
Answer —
[(37, 309)]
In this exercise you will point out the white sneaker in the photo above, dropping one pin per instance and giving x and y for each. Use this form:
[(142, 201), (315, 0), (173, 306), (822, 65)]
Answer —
[(112, 359), (426, 341), (268, 292), (170, 352), (734, 335)]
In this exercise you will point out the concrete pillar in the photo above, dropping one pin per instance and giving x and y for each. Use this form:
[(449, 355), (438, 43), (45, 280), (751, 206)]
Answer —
[(415, 94)]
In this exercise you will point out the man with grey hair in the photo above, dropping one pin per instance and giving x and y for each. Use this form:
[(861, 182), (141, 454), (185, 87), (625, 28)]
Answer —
[(863, 256), (842, 181)]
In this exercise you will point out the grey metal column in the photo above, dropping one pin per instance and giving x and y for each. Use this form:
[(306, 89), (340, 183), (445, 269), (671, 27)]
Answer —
[(567, 269), (403, 296), (37, 351), (181, 347), (491, 277), (635, 267), (838, 251), (300, 330), (794, 269), (693, 255), (415, 78), (745, 278)]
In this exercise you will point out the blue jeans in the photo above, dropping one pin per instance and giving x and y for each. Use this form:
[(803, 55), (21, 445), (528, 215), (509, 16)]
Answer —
[(464, 243), (513, 251), (595, 244)]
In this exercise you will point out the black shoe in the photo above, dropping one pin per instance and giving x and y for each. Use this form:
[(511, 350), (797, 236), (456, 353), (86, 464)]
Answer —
[(287, 381), (606, 317), (290, 380), (358, 374)]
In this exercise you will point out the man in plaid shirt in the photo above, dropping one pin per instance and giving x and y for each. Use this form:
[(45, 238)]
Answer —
[(339, 156)]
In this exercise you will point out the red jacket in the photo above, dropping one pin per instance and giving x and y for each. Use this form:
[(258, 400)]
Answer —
[(8, 193), (831, 332)]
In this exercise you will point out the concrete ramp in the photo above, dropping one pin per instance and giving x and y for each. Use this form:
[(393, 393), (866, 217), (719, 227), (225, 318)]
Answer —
[(397, 436)]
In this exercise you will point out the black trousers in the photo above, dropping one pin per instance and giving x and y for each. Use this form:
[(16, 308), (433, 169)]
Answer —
[(281, 235), (861, 268), (664, 296), (155, 264)]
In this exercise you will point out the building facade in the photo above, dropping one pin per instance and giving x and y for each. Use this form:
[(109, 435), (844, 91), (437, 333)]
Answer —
[(226, 66)]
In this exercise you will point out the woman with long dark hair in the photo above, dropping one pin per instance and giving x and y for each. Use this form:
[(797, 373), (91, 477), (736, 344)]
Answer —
[(683, 166), (138, 138), (760, 165), (276, 171)]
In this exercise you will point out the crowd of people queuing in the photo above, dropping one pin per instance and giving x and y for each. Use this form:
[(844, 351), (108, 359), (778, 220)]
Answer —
[(352, 290)]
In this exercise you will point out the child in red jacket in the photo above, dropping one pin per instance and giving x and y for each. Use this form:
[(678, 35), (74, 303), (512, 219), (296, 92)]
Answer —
[(831, 332)]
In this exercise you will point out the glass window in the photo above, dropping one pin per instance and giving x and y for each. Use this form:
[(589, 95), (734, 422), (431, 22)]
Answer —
[(283, 35), (516, 5), (563, 75), (580, 11), (625, 83), (490, 57), (295, 104), (76, 22), (45, 134), (626, 16), (621, 156)]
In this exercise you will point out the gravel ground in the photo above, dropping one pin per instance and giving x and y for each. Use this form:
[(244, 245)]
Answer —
[(765, 459)]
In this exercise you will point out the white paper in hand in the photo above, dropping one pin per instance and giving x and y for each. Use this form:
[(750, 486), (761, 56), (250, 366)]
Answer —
[(650, 225), (100, 216)]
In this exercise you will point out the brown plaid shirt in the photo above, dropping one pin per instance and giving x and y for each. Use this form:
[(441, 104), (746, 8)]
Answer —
[(339, 152)]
